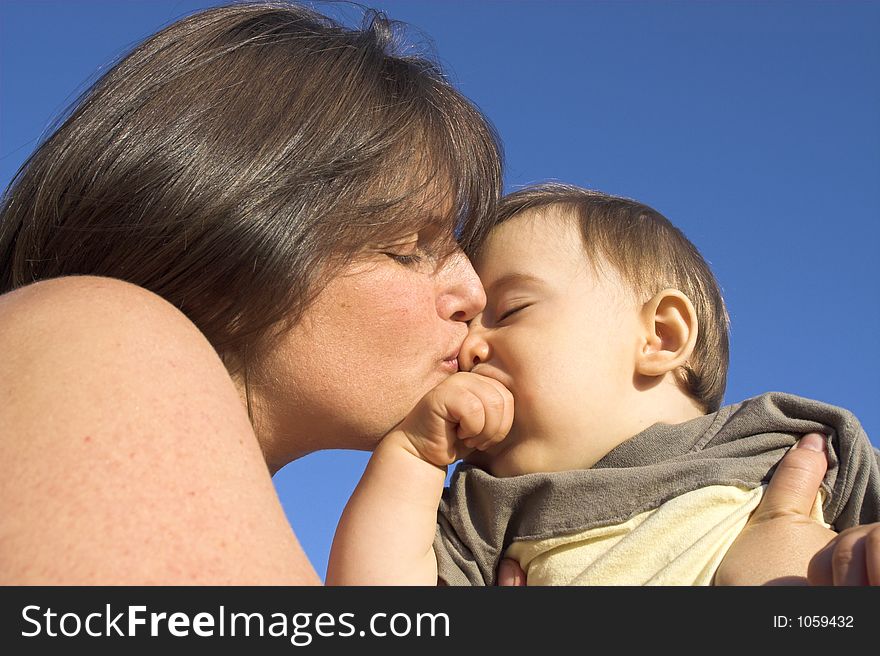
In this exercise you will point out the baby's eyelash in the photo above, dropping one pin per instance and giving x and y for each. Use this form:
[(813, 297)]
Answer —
[(512, 311)]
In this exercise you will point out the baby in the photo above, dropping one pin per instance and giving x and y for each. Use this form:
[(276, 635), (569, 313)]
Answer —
[(606, 330)]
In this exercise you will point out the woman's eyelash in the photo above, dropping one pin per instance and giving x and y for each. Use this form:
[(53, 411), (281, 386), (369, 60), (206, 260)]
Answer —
[(406, 260)]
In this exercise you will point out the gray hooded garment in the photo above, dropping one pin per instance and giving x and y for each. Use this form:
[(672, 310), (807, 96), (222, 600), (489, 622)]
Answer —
[(480, 515)]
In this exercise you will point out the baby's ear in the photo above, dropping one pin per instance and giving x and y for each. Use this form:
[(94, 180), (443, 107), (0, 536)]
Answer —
[(669, 324)]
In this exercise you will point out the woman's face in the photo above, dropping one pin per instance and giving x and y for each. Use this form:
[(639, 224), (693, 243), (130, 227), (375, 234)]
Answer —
[(380, 335)]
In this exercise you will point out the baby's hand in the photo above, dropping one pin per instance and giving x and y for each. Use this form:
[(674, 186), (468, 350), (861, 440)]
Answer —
[(464, 412)]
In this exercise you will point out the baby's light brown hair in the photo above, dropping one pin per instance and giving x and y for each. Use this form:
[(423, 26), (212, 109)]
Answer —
[(651, 255)]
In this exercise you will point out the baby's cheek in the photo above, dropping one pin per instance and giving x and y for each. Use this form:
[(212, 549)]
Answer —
[(531, 408)]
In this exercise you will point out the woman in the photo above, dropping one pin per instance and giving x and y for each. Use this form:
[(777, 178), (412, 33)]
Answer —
[(287, 191), (238, 249)]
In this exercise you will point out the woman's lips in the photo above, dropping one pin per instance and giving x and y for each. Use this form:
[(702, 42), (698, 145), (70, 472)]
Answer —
[(450, 364)]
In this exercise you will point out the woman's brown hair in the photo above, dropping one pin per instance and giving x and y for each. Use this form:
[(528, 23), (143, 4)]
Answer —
[(239, 157)]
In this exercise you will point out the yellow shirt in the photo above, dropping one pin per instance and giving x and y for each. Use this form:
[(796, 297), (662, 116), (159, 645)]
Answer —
[(682, 542)]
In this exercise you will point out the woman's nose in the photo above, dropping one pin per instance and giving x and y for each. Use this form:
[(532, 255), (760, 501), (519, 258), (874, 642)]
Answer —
[(474, 349), (462, 296)]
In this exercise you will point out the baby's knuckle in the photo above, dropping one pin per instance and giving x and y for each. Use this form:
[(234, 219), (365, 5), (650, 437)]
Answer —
[(495, 401), (471, 405)]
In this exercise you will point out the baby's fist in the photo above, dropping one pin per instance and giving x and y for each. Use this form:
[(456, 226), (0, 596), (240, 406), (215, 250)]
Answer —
[(463, 413)]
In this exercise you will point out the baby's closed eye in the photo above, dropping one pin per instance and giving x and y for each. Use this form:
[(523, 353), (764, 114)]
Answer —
[(505, 314)]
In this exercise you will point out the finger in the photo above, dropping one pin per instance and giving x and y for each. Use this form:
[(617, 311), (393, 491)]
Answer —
[(469, 411), (872, 554), (509, 406), (497, 402), (507, 411), (494, 402), (502, 415), (852, 558), (848, 560), (820, 570), (797, 478), (510, 573)]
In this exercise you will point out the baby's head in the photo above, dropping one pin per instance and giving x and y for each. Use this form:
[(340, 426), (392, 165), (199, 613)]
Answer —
[(602, 319)]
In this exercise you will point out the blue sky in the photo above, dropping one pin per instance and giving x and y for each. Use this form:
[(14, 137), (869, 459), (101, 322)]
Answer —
[(755, 127)]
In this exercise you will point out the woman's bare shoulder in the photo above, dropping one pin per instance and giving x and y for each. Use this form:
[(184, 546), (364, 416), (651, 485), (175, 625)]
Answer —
[(62, 295), (126, 455)]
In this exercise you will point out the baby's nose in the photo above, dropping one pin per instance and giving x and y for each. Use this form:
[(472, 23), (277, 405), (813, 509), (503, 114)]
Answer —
[(474, 350)]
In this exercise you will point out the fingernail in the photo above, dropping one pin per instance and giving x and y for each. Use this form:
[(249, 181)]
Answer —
[(812, 442), (517, 579)]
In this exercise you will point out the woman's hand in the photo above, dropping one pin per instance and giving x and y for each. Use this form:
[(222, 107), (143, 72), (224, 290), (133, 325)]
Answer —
[(780, 538), (781, 526), (510, 573), (852, 558)]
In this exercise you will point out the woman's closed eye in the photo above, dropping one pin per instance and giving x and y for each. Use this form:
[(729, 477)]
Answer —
[(406, 259), (408, 253)]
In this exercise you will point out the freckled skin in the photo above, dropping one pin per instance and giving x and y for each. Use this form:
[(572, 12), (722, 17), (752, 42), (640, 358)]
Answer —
[(101, 446), (369, 348)]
